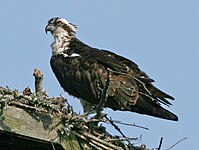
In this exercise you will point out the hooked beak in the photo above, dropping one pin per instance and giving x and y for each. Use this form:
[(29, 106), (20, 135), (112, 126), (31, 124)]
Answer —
[(48, 28)]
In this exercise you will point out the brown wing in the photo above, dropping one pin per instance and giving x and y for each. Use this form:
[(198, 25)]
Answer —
[(141, 79), (130, 88), (126, 94)]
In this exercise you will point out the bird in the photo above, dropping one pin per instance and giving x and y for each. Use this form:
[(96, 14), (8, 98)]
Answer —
[(82, 72)]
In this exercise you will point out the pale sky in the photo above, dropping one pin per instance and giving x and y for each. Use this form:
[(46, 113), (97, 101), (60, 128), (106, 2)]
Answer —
[(162, 37)]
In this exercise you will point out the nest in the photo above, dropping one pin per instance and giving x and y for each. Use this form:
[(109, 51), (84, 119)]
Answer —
[(88, 131)]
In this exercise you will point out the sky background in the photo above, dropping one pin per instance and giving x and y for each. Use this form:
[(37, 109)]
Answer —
[(161, 36)]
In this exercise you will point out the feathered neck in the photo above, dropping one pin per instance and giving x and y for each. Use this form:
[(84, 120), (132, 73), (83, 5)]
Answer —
[(61, 42)]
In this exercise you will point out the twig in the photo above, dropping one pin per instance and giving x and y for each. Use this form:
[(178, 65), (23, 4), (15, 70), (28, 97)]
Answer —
[(14, 96), (124, 139), (117, 128), (104, 94), (5, 90), (128, 124), (177, 143), (159, 147), (101, 145), (79, 135), (100, 141), (38, 81), (20, 105), (94, 146)]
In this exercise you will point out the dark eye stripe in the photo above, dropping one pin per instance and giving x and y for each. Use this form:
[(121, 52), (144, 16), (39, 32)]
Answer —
[(59, 23)]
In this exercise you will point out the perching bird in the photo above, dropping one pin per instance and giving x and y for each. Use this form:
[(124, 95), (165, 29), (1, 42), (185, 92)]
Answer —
[(82, 72)]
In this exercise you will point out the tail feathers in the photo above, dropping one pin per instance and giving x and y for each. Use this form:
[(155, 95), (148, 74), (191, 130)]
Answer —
[(159, 94), (151, 108)]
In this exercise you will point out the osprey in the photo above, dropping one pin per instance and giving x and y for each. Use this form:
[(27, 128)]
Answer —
[(82, 72)]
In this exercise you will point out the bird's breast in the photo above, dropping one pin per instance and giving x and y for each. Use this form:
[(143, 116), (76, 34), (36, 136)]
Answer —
[(79, 77)]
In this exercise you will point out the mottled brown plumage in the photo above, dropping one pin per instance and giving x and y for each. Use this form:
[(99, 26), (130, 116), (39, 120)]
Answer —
[(82, 71)]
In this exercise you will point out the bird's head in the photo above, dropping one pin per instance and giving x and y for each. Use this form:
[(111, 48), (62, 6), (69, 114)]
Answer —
[(59, 26)]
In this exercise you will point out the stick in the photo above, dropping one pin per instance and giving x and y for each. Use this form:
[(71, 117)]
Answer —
[(94, 146), (124, 139), (117, 128), (128, 124), (24, 106), (177, 143), (103, 98), (38, 81), (159, 147), (101, 145), (100, 141)]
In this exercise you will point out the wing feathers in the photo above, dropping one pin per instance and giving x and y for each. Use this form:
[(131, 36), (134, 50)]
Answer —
[(130, 89)]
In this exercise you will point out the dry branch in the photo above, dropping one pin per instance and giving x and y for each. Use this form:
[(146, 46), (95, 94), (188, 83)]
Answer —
[(118, 129), (177, 143), (103, 98), (159, 147), (130, 124), (38, 81)]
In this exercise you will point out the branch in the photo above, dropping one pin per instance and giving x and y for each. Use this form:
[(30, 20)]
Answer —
[(38, 81), (124, 139), (177, 143), (103, 98), (118, 129), (100, 141), (159, 147), (28, 107), (128, 124)]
